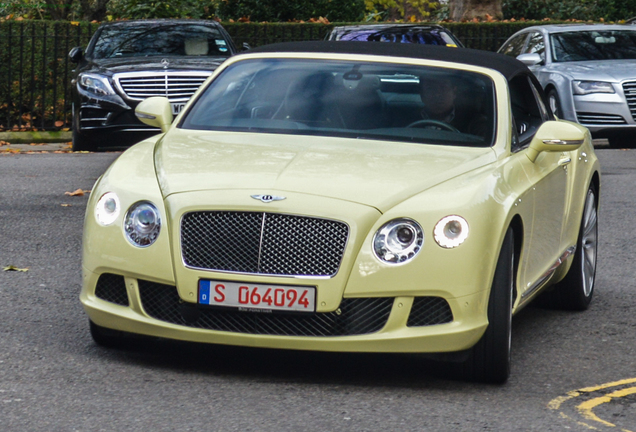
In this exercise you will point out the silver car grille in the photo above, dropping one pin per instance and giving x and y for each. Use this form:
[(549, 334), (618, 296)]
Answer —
[(599, 119), (629, 88), (176, 86), (262, 243)]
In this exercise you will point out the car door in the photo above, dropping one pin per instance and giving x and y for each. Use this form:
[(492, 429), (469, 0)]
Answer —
[(548, 176)]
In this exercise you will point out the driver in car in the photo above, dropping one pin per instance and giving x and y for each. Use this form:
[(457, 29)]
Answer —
[(445, 112)]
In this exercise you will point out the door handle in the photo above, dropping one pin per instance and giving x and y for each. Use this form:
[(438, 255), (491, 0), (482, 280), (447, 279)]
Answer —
[(565, 161)]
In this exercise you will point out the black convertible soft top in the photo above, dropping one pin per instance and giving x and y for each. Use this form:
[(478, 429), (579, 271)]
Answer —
[(507, 66)]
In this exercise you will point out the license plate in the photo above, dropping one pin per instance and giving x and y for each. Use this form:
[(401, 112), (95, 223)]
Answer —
[(177, 107), (257, 297)]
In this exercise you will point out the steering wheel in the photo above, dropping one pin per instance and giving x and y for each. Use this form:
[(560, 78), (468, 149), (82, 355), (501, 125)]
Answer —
[(437, 123)]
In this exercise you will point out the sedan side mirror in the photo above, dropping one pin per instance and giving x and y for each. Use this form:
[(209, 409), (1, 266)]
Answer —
[(556, 136), (155, 111), (76, 54), (246, 46), (531, 59)]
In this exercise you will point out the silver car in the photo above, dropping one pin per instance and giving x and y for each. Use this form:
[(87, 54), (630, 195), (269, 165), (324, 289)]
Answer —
[(588, 72)]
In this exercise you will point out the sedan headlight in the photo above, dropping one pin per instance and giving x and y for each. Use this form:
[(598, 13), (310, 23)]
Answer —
[(451, 231), (587, 87), (398, 241), (107, 209), (96, 84), (142, 224)]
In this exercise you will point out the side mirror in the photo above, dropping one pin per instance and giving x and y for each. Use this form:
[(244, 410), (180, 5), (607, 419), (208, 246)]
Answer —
[(246, 46), (76, 54), (531, 59), (155, 111), (556, 136)]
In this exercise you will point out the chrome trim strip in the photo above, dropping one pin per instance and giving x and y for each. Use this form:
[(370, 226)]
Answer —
[(548, 274), (563, 142)]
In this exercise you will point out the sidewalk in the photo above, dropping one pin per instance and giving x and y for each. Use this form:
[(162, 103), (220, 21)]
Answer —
[(35, 148), (35, 142)]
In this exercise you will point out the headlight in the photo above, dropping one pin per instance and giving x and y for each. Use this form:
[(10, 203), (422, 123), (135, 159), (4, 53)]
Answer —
[(398, 241), (142, 224), (96, 84), (587, 87), (107, 209), (451, 231)]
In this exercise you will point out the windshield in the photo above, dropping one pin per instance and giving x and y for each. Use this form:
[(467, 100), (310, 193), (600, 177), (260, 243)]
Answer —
[(593, 45), (425, 37), (349, 99), (160, 40)]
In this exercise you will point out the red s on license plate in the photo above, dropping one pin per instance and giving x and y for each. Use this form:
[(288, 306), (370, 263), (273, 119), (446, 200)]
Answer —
[(261, 297)]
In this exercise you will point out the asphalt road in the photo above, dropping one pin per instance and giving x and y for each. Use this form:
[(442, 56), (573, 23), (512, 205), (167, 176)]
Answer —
[(571, 371)]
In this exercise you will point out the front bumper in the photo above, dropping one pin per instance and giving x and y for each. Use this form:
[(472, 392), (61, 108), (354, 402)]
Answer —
[(155, 309), (604, 114)]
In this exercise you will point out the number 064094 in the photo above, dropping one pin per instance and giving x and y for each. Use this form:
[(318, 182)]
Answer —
[(257, 296)]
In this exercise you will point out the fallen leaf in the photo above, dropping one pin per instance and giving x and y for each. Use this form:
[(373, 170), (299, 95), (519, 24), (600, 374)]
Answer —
[(14, 268), (66, 205), (77, 192), (59, 123)]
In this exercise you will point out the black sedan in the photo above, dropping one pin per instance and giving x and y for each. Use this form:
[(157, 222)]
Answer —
[(128, 61)]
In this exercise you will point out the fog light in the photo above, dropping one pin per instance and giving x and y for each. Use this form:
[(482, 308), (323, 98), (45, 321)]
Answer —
[(107, 209), (451, 231)]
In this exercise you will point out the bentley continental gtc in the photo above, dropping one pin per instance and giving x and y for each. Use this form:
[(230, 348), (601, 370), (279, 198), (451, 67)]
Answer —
[(347, 197)]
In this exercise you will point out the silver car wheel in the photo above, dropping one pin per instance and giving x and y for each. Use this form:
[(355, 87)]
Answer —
[(589, 242)]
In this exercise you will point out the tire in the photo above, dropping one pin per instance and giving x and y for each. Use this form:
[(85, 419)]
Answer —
[(80, 143), (489, 359), (106, 337), (575, 291), (555, 103)]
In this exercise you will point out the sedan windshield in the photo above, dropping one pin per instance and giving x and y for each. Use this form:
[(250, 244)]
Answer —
[(593, 45), (349, 99), (159, 40), (425, 37)]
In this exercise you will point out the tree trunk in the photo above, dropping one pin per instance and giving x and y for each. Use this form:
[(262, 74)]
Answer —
[(466, 10), (93, 10), (58, 9)]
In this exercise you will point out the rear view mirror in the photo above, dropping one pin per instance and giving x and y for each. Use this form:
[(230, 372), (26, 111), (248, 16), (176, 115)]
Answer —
[(531, 59), (76, 54), (556, 136), (155, 111)]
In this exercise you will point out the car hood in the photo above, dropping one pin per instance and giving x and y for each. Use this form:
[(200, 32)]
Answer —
[(379, 174), (607, 70), (133, 64)]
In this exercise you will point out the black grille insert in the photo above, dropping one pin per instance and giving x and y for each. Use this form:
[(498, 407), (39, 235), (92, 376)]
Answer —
[(428, 311), (354, 317), (263, 243), (112, 288)]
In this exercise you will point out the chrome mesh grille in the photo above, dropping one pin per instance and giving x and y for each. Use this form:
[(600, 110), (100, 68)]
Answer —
[(176, 86), (629, 88), (112, 288), (353, 317), (263, 243), (429, 311)]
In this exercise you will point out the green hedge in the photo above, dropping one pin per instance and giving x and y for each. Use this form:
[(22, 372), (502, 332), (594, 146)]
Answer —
[(35, 73)]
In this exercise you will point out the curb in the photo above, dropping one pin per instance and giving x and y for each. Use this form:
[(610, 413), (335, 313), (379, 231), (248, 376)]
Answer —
[(36, 137)]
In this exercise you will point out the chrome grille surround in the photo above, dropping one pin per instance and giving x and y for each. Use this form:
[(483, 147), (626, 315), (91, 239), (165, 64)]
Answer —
[(176, 86), (354, 316), (629, 88), (263, 243)]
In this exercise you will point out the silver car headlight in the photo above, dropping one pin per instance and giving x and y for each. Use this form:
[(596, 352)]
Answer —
[(587, 87), (96, 84), (142, 224), (451, 231), (107, 209), (398, 241)]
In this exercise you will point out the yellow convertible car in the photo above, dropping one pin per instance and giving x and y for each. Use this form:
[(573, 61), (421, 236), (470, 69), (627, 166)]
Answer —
[(338, 196)]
